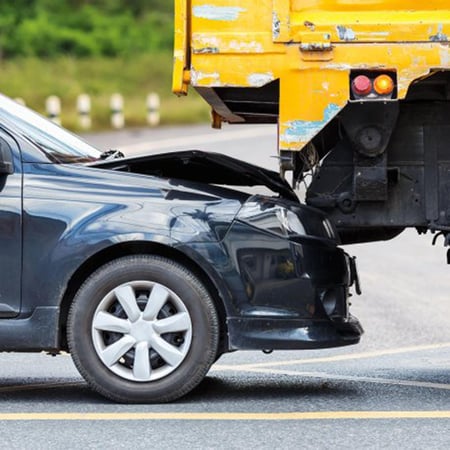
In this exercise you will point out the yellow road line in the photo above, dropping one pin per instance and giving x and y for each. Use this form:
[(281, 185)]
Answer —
[(194, 416), (337, 358)]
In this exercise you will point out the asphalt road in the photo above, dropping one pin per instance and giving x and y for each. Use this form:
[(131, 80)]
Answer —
[(390, 391)]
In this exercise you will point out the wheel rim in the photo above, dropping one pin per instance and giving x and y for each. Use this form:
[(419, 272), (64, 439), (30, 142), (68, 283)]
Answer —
[(141, 331)]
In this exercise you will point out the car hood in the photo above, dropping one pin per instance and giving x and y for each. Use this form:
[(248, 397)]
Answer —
[(203, 167)]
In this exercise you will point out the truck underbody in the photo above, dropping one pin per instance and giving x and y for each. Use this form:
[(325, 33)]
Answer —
[(377, 167)]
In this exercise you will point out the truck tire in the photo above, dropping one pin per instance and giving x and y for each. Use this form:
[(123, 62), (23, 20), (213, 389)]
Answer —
[(143, 329)]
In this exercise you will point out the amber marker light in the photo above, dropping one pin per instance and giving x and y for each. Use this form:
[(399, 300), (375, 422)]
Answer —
[(383, 85)]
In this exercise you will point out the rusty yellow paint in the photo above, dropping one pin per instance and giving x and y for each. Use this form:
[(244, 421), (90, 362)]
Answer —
[(181, 47), (280, 20), (299, 122), (310, 46)]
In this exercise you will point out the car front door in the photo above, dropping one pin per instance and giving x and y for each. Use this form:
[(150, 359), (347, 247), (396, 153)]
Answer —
[(10, 227)]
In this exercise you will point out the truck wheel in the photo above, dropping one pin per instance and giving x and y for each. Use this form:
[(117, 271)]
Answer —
[(143, 329)]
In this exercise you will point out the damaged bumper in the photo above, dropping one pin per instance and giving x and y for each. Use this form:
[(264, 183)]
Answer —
[(294, 280)]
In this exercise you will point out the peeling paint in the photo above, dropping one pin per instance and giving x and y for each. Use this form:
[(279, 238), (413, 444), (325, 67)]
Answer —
[(309, 25), (247, 47), (212, 44), (178, 54), (406, 76), (339, 66), (276, 25), (374, 35), (206, 41), (260, 79), (347, 67), (212, 78), (417, 61), (378, 33), (305, 130), (439, 36), (444, 56), (206, 50), (345, 34), (211, 12)]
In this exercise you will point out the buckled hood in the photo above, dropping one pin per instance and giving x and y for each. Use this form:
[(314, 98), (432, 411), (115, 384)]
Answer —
[(202, 167)]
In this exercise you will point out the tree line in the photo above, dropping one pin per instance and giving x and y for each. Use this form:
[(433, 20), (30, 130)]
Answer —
[(83, 28)]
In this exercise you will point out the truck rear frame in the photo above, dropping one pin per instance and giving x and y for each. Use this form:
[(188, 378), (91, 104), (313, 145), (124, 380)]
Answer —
[(380, 162)]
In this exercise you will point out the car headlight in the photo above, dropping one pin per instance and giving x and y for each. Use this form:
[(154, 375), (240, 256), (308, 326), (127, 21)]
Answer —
[(286, 219), (289, 222)]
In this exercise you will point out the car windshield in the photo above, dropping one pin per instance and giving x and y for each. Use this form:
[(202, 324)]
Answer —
[(58, 144)]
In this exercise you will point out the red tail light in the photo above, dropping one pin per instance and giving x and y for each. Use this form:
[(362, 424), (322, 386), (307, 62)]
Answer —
[(361, 86)]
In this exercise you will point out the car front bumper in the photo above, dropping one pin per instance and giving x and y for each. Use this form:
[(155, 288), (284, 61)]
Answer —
[(289, 295)]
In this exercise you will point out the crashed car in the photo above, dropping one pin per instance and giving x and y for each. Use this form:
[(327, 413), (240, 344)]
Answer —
[(147, 269)]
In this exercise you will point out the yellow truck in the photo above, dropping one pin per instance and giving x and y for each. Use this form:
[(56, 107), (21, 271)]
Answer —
[(360, 90)]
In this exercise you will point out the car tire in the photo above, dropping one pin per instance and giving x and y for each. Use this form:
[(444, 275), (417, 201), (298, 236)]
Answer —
[(143, 329)]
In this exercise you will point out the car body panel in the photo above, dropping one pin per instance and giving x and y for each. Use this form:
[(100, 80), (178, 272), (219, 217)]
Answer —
[(106, 208), (274, 290), (10, 233), (277, 287)]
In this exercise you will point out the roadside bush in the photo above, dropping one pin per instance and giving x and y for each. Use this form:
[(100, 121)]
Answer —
[(49, 28)]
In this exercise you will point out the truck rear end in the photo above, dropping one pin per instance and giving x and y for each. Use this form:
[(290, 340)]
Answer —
[(360, 91)]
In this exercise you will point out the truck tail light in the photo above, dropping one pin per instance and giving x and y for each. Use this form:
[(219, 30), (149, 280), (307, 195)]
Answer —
[(383, 85), (362, 85), (368, 85)]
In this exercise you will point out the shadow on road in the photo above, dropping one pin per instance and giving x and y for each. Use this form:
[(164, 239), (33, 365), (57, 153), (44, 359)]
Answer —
[(211, 390), (231, 389), (240, 388)]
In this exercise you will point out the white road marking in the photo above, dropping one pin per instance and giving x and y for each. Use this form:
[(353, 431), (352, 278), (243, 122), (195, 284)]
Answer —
[(355, 378), (337, 358), (222, 416)]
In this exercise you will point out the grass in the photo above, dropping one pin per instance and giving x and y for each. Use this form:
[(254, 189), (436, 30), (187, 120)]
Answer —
[(35, 79)]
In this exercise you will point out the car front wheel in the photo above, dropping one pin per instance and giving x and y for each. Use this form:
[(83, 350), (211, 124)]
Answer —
[(143, 329)]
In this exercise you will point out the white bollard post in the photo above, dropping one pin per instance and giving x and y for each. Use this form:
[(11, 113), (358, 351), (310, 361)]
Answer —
[(117, 117), (20, 101), (53, 108), (153, 106), (84, 111)]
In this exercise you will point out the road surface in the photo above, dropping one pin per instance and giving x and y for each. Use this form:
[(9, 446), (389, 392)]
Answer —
[(390, 391)]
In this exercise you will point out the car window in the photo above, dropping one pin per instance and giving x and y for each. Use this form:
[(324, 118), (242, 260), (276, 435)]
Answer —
[(58, 144)]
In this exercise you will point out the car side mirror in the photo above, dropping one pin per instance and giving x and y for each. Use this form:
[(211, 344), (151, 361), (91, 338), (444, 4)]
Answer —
[(6, 163)]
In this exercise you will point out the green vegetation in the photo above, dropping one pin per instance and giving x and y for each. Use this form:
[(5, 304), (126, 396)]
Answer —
[(98, 47), (81, 28), (34, 79)]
